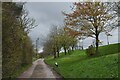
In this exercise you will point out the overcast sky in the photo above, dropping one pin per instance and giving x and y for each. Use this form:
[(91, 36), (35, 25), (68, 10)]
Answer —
[(48, 13)]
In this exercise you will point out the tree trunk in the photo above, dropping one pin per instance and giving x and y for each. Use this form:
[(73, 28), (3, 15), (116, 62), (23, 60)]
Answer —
[(97, 39), (57, 52), (54, 53), (68, 51), (82, 45), (72, 48), (97, 43), (65, 51)]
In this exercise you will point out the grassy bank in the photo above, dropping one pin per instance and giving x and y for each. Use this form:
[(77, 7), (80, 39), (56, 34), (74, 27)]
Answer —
[(109, 49), (79, 65)]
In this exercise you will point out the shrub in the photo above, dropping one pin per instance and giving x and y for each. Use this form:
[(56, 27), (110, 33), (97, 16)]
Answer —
[(90, 51)]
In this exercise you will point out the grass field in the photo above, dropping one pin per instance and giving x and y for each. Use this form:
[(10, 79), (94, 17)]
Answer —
[(79, 65)]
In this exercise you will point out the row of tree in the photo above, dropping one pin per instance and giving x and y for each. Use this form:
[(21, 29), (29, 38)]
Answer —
[(57, 40), (17, 49), (92, 18), (87, 19)]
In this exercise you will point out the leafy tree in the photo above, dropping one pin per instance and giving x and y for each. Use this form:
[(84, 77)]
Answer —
[(67, 41), (91, 19), (16, 45), (47, 49), (74, 35), (57, 39), (10, 39)]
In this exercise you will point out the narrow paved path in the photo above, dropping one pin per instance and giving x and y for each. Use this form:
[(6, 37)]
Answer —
[(39, 70)]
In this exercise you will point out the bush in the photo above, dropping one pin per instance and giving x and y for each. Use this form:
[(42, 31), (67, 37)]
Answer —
[(90, 51)]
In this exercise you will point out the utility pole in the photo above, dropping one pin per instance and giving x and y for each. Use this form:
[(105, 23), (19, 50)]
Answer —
[(37, 46), (107, 34), (107, 40)]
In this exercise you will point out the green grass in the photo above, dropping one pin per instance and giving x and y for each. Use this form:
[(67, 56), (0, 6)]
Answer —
[(109, 49), (79, 65)]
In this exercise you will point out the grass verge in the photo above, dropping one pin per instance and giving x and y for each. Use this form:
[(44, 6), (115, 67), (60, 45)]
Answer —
[(78, 65)]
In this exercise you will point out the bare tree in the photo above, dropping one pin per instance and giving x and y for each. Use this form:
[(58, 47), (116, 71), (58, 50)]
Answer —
[(27, 23)]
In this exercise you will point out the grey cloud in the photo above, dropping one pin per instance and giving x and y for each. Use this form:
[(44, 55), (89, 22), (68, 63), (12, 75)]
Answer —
[(48, 13)]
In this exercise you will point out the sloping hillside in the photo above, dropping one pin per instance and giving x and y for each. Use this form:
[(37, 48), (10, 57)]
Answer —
[(78, 65), (109, 49)]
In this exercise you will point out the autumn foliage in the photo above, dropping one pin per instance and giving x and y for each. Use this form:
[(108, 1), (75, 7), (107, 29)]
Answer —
[(90, 19)]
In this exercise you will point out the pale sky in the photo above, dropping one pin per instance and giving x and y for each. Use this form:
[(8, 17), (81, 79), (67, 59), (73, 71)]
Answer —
[(48, 13)]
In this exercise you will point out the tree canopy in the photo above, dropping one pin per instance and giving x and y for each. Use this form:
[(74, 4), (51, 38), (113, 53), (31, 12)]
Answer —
[(91, 18), (17, 49)]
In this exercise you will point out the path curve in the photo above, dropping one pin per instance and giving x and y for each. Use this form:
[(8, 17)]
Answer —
[(39, 70)]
